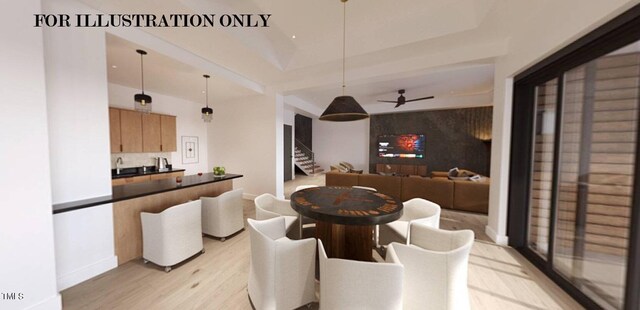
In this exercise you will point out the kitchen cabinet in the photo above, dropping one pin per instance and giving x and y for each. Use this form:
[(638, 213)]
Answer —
[(145, 178), (130, 131), (136, 132), (114, 130), (151, 133), (131, 180), (168, 133), (170, 175)]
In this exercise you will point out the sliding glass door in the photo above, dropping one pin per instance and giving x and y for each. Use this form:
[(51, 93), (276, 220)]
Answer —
[(546, 95), (574, 192), (597, 164)]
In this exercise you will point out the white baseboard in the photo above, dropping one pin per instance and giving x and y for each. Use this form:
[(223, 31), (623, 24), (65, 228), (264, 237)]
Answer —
[(53, 302), (498, 239), (86, 272), (248, 196)]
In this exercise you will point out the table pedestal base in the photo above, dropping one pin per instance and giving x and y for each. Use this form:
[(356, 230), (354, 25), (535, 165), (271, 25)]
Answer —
[(346, 241)]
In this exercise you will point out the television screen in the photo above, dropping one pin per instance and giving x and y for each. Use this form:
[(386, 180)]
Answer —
[(403, 146)]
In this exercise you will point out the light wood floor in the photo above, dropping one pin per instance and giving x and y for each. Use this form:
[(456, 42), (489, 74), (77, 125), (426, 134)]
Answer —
[(499, 278)]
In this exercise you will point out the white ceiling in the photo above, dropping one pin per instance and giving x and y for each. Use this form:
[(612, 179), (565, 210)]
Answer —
[(163, 74), (447, 82), (429, 47)]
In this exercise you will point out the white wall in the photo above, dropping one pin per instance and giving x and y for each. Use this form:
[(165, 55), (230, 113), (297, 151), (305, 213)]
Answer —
[(188, 122), (334, 142), (84, 244), (77, 102), (242, 138), (559, 23), (26, 227)]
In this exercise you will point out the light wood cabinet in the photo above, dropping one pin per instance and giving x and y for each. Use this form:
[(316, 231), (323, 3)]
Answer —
[(151, 137), (145, 178), (131, 180), (114, 130), (168, 133), (135, 132), (131, 131), (162, 176)]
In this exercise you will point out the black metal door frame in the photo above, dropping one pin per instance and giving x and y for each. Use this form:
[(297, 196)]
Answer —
[(288, 152), (619, 32)]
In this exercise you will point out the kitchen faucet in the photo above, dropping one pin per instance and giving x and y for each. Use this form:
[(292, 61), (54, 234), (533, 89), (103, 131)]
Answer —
[(119, 160)]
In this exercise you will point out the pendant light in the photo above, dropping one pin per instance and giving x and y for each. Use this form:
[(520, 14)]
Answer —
[(142, 101), (207, 113), (344, 108)]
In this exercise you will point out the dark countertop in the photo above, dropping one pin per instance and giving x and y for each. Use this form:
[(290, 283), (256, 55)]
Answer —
[(135, 190), (138, 171)]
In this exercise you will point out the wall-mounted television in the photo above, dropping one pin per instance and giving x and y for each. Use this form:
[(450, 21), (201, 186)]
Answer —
[(401, 146)]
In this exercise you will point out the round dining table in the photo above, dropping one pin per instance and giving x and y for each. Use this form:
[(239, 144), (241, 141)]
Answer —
[(345, 217)]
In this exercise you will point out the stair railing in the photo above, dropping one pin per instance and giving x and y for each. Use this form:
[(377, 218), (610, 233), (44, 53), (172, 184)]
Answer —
[(309, 153)]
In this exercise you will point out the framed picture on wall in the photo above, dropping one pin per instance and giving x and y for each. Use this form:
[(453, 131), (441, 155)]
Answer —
[(190, 150)]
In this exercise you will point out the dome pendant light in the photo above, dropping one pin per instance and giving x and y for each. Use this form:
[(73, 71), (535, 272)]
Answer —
[(142, 101), (344, 108), (207, 113)]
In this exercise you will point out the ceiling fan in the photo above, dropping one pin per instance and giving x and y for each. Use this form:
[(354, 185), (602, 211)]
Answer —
[(402, 100)]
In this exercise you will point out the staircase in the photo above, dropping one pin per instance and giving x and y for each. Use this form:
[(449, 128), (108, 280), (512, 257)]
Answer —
[(304, 159)]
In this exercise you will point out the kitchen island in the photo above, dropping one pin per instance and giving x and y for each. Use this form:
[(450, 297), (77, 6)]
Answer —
[(154, 196)]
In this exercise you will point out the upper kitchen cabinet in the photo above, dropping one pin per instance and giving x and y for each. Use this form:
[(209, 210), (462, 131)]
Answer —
[(114, 130), (130, 131), (168, 133), (151, 129), (135, 132)]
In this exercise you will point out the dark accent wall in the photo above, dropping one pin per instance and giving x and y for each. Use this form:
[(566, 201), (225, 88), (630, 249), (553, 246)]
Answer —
[(303, 130), (453, 138)]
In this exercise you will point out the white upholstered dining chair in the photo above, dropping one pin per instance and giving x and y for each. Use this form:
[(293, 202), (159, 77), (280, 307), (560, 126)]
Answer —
[(173, 235), (282, 271), (301, 187), (435, 267), (366, 188), (416, 210), (349, 284), (222, 216), (268, 206)]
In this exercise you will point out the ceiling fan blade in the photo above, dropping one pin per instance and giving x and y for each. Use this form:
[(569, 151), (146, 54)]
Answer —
[(423, 98), (387, 101), (397, 105)]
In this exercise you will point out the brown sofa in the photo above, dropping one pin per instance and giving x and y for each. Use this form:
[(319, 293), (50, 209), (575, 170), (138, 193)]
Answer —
[(457, 195)]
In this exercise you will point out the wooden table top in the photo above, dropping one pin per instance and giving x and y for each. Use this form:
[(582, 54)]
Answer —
[(346, 205)]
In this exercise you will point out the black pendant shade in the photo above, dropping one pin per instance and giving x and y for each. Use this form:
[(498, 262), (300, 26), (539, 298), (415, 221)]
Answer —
[(142, 98), (344, 109), (207, 111)]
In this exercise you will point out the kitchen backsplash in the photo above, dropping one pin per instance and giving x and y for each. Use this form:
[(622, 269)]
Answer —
[(138, 159)]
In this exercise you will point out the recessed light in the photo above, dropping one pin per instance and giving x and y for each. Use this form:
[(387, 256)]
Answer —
[(293, 36), (203, 91), (114, 66)]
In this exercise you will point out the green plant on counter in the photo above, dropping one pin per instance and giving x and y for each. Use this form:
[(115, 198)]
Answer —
[(218, 171)]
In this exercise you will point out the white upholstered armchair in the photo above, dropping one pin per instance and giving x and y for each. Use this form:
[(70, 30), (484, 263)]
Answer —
[(349, 284), (222, 216), (268, 206), (435, 267), (173, 235), (282, 271), (416, 210), (301, 187)]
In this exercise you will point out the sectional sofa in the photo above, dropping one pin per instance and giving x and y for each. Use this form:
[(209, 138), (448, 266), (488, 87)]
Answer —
[(456, 195)]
